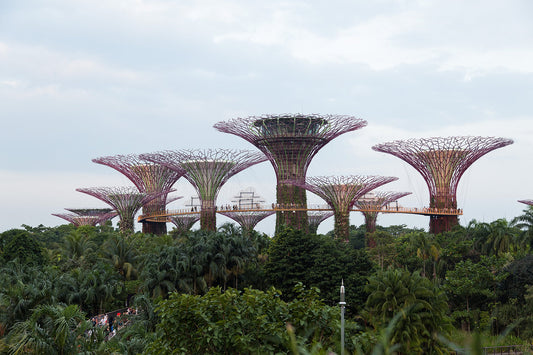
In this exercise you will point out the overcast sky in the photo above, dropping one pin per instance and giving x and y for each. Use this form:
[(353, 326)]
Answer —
[(83, 79)]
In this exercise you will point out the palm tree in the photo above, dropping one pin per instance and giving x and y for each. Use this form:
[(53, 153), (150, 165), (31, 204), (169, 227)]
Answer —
[(50, 329), (426, 248), (525, 224), (501, 239), (397, 290)]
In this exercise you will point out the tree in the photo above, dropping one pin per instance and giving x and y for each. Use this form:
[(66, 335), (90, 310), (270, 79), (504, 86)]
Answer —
[(19, 244), (51, 329), (317, 261), (422, 303), (472, 287)]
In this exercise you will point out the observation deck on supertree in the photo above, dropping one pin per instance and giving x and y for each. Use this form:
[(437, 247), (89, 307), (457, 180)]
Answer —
[(317, 217), (184, 223), (527, 202), (207, 170), (340, 193), (126, 201), (290, 141), (149, 178), (247, 219), (442, 162), (368, 205)]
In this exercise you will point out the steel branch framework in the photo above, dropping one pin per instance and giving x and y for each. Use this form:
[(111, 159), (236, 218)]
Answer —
[(317, 217), (126, 201), (247, 219), (375, 201), (290, 141), (341, 192), (149, 178), (527, 202), (442, 162), (78, 220), (184, 223), (207, 170)]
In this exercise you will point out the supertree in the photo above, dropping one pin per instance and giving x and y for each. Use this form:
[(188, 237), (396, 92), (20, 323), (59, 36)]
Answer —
[(442, 162), (527, 202), (184, 223), (207, 170), (126, 201), (78, 220), (149, 178), (340, 193), (104, 214), (371, 203), (317, 217), (290, 141), (247, 219)]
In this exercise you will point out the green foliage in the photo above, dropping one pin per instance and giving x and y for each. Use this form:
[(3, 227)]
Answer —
[(422, 304), (317, 261), (252, 322), (19, 244)]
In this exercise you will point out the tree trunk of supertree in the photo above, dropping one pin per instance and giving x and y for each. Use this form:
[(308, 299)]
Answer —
[(208, 213), (156, 228), (342, 225), (442, 223), (370, 221), (126, 225), (291, 196)]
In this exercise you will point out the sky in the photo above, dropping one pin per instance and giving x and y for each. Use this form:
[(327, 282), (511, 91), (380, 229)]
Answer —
[(80, 79)]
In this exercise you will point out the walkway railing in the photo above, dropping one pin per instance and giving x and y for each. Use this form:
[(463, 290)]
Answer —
[(164, 216)]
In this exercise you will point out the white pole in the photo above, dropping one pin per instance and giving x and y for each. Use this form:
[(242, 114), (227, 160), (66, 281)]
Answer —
[(342, 304)]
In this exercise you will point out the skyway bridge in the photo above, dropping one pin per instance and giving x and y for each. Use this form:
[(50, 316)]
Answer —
[(164, 216)]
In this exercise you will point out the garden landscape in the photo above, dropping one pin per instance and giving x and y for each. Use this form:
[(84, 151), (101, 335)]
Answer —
[(266, 177)]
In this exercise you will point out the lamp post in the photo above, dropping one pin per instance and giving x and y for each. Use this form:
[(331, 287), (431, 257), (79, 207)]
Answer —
[(342, 304)]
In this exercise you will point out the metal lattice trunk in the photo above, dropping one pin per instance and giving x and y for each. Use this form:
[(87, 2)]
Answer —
[(368, 204), (148, 178), (340, 193), (126, 201), (207, 170), (290, 141), (442, 162)]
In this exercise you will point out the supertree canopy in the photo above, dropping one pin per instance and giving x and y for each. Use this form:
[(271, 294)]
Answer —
[(317, 217), (442, 162), (184, 223), (90, 211), (149, 178), (527, 202), (341, 192), (370, 204), (247, 219), (125, 200), (78, 220), (207, 170), (290, 141)]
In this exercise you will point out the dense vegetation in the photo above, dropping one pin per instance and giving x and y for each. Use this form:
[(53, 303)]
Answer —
[(225, 292)]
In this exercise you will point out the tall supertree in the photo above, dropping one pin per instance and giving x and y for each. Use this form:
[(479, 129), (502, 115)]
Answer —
[(290, 141), (527, 202), (207, 170), (247, 219), (317, 217), (370, 205), (126, 201), (148, 178), (184, 223), (442, 162), (340, 193)]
